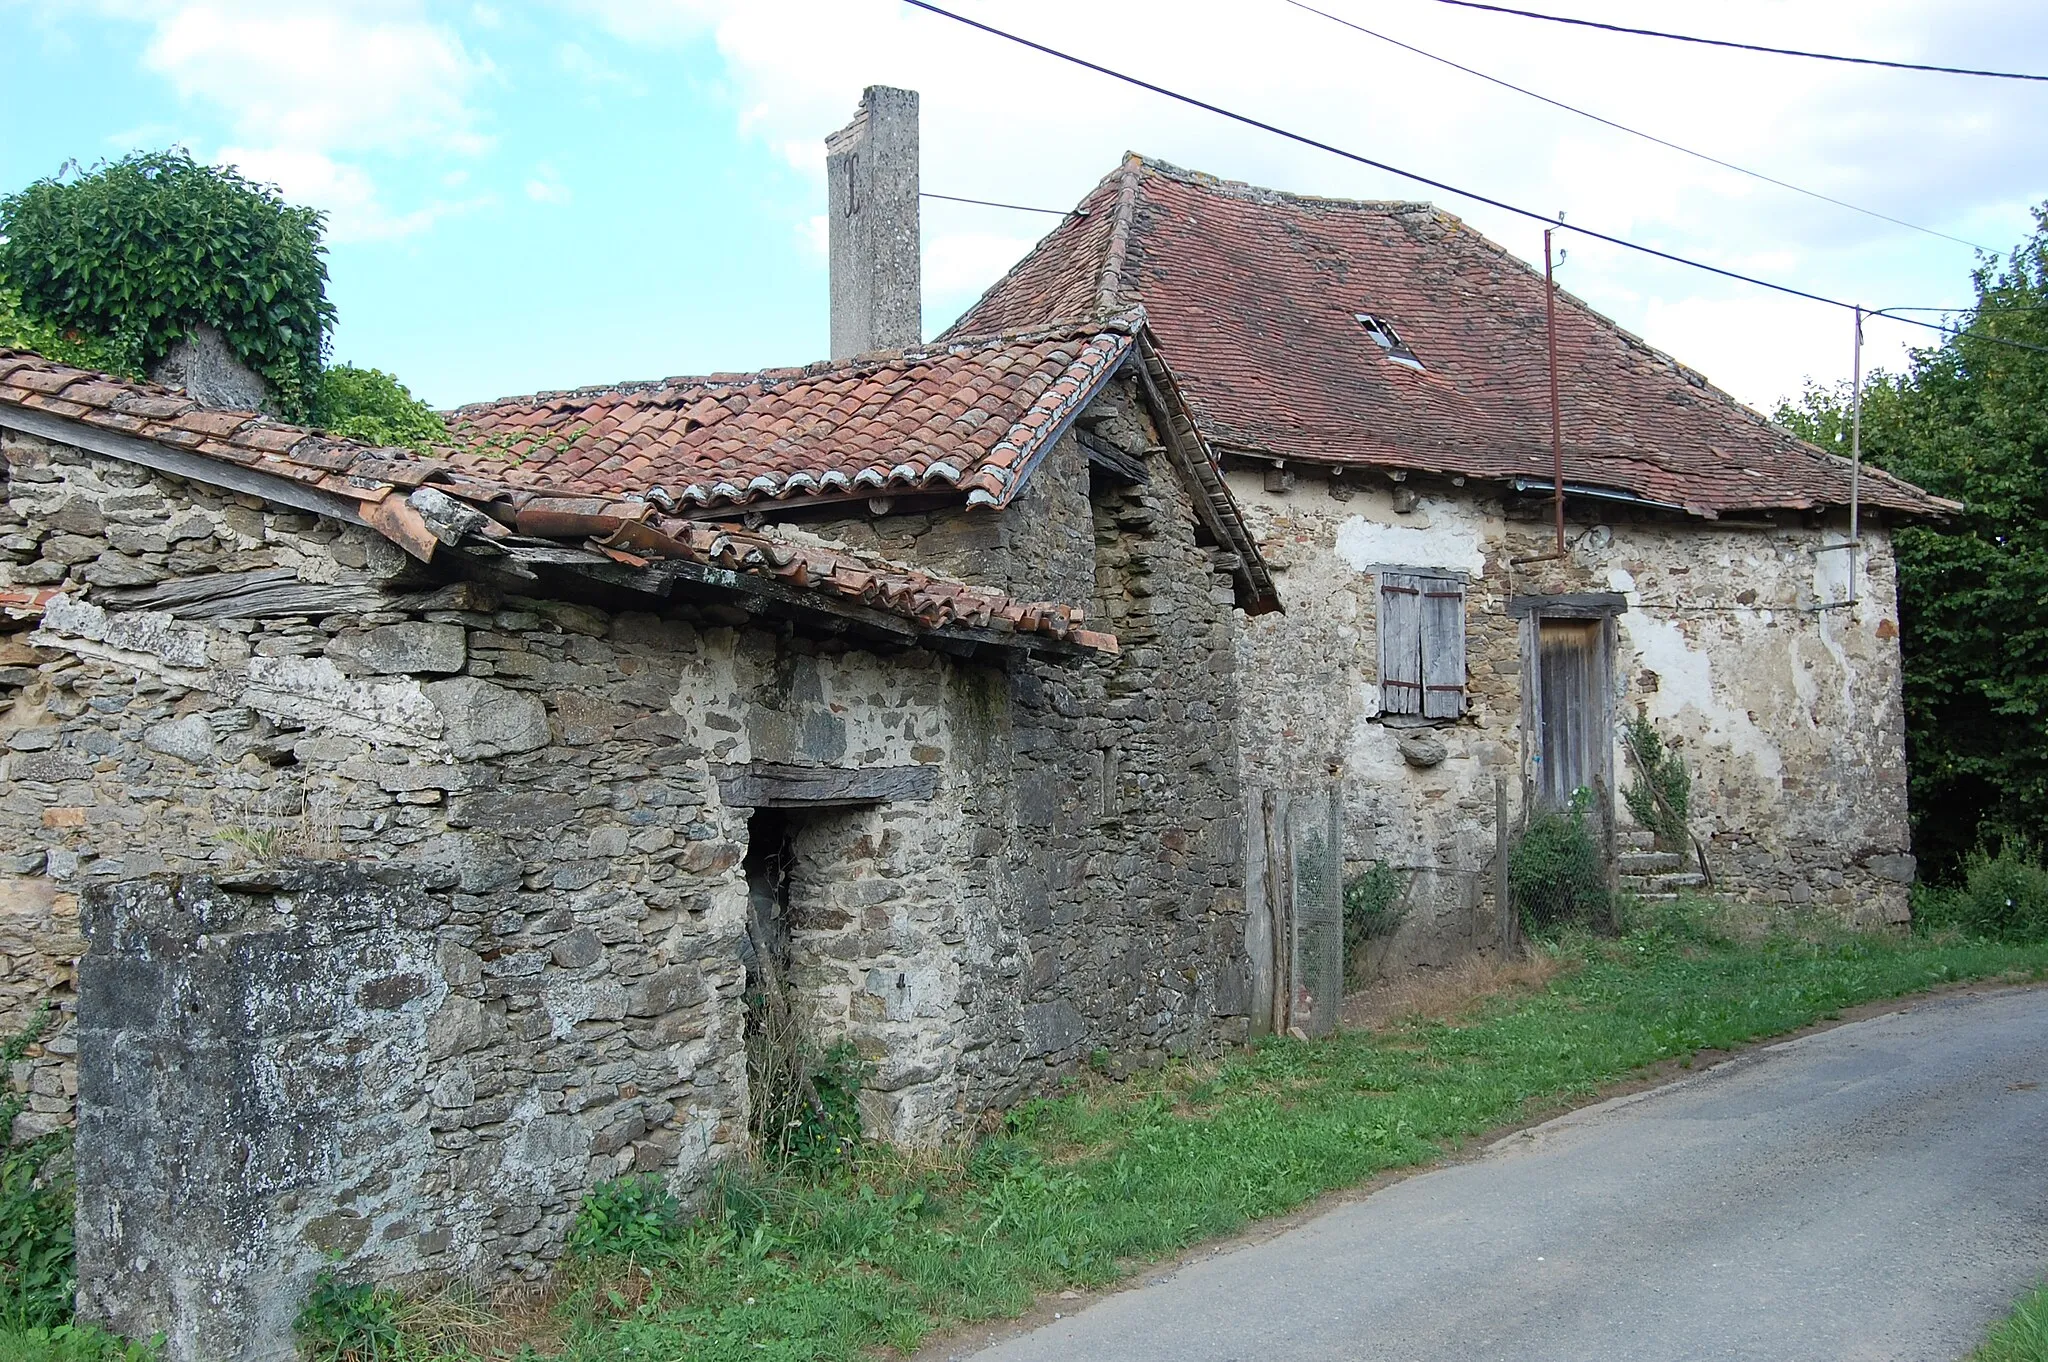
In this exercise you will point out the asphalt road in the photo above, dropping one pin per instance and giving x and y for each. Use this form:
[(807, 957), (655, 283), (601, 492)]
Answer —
[(1879, 1190)]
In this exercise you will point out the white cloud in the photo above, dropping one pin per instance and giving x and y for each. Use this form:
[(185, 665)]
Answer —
[(1004, 123), (546, 186), (345, 192), (311, 91), (337, 77)]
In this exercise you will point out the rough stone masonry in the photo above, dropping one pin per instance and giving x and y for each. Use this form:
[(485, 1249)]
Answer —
[(429, 898)]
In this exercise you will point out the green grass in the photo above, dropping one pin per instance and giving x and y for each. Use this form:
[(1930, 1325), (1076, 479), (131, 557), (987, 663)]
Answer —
[(2023, 1335), (68, 1343)]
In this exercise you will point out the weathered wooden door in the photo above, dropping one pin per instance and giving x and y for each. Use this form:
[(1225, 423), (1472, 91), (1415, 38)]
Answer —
[(1572, 740)]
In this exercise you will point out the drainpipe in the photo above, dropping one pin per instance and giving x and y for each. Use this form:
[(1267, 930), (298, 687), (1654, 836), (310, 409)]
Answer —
[(1556, 418)]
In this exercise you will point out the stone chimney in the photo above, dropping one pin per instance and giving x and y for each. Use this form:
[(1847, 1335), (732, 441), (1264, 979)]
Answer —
[(871, 178)]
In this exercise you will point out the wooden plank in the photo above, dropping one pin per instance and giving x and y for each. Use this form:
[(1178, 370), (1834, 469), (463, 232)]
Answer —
[(774, 785), (1113, 461), (197, 467), (1400, 644), (1584, 605), (1443, 648)]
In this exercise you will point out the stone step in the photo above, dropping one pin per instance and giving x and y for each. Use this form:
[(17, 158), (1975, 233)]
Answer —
[(1662, 886), (1635, 839), (1650, 862)]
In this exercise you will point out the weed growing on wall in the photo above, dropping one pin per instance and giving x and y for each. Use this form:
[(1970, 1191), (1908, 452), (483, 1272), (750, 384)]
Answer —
[(1660, 795), (1373, 908), (627, 1217), (1556, 874), (38, 1272)]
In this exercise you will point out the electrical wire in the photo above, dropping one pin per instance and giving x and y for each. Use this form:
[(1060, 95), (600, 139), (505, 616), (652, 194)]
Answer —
[(1013, 207), (1744, 47), (1633, 132), (1473, 195)]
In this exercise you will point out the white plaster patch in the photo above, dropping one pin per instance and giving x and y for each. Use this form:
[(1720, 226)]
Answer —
[(313, 690), (1451, 541), (1686, 682), (1620, 579)]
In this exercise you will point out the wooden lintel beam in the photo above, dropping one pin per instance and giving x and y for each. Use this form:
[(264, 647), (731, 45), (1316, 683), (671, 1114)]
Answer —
[(775, 785)]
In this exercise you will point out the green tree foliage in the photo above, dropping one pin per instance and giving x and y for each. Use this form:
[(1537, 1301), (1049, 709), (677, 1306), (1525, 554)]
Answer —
[(1969, 421), (140, 250), (20, 331), (373, 406)]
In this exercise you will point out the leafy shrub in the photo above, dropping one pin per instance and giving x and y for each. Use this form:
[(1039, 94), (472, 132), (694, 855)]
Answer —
[(350, 1322), (1660, 795), (628, 1217), (20, 331), (1373, 909), (816, 1140), (2004, 895), (142, 249), (373, 406), (38, 1272), (1556, 874)]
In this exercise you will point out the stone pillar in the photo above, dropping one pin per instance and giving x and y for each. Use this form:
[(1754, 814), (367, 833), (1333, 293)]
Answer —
[(211, 373), (251, 1100), (871, 179)]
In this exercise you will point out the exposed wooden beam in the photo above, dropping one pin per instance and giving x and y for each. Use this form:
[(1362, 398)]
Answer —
[(774, 785), (1113, 461)]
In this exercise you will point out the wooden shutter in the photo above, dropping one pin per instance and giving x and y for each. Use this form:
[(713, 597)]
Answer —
[(1400, 643), (1443, 647)]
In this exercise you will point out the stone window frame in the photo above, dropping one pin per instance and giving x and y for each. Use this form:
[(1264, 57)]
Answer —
[(1440, 642)]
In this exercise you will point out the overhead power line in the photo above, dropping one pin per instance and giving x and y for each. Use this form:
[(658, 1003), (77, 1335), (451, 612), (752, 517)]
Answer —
[(1633, 132), (1744, 47), (1473, 195), (1013, 207)]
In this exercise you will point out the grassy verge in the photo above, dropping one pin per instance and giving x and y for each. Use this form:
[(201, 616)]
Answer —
[(1076, 1191), (2023, 1335)]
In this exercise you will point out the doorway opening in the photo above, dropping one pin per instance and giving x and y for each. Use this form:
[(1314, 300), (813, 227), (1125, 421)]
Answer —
[(1573, 733)]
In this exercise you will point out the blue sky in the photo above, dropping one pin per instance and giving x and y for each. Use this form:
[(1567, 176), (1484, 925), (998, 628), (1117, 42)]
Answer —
[(529, 196)]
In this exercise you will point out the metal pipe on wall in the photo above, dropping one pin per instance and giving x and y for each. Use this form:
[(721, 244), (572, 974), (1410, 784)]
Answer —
[(1556, 414)]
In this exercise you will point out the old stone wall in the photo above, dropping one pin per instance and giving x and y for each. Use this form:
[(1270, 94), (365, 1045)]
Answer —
[(1789, 716), (549, 767), (1122, 841)]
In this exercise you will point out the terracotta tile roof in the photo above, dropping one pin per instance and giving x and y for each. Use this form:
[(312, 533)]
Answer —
[(970, 416), (421, 503), (1253, 296)]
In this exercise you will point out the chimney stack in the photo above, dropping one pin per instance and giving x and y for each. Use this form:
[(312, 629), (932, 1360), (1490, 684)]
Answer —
[(871, 179)]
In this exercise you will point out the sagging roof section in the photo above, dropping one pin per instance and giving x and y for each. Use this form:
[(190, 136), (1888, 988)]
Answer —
[(426, 504), (1254, 298), (968, 416)]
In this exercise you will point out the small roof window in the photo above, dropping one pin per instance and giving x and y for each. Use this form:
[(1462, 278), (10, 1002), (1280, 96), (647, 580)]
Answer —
[(1383, 334)]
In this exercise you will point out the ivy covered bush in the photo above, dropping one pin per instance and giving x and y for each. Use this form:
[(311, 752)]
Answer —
[(111, 268), (139, 251), (1557, 876)]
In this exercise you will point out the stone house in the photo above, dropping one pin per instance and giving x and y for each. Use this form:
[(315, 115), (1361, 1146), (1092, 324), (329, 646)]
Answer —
[(1373, 377), (425, 823)]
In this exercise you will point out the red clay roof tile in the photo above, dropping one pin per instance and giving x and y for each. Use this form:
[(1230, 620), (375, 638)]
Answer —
[(868, 425), (1252, 295), (630, 529)]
